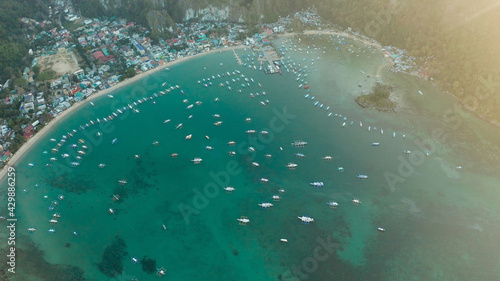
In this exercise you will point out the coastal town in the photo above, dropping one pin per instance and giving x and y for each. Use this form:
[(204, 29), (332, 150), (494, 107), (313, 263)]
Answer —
[(75, 57)]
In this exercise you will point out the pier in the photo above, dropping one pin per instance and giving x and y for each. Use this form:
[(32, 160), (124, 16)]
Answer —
[(237, 58)]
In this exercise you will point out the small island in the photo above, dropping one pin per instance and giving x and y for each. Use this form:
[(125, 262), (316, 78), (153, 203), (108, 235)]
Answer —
[(379, 99)]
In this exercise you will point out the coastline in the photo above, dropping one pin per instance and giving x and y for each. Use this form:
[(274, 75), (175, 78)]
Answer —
[(38, 135)]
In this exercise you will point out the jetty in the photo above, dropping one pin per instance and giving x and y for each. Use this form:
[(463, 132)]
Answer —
[(238, 59)]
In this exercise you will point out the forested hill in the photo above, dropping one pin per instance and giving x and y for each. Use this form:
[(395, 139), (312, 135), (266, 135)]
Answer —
[(14, 41)]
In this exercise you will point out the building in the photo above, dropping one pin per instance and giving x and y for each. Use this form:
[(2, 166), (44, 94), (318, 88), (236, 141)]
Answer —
[(138, 46)]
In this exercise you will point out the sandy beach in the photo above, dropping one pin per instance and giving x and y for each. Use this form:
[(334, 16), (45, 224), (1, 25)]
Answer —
[(27, 145)]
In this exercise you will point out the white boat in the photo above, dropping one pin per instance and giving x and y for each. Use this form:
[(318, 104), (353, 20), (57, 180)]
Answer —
[(356, 201), (229, 189), (375, 144), (52, 231), (111, 211), (188, 137), (306, 219), (299, 143), (266, 205), (406, 151), (264, 180), (31, 229), (255, 164), (284, 240), (110, 96), (156, 143), (122, 182), (420, 92), (218, 123), (208, 147), (91, 103), (332, 204), (317, 184), (276, 197), (179, 126), (300, 155), (243, 220), (231, 143), (216, 116), (362, 177), (190, 106), (251, 131), (327, 157), (114, 141), (197, 160), (380, 229), (291, 166)]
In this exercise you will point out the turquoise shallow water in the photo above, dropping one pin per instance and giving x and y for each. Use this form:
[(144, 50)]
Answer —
[(441, 222)]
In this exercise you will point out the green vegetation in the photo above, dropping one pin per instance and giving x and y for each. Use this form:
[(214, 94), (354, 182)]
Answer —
[(378, 98), (14, 44), (45, 76)]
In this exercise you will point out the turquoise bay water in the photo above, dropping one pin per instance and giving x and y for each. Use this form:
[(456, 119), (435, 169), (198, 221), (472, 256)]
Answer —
[(441, 222)]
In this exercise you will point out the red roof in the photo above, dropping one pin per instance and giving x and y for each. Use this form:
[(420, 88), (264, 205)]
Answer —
[(98, 55)]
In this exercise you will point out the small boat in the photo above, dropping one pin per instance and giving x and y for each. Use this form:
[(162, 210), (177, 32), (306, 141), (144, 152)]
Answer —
[(156, 143), (251, 131), (362, 177), (299, 143), (122, 182), (231, 143), (207, 137), (232, 153), (137, 156), (111, 211), (291, 166), (264, 180), (340, 169), (91, 103), (332, 204), (208, 147), (327, 157), (380, 229), (216, 116), (251, 149), (420, 92), (53, 159), (276, 198), (53, 221), (160, 272), (166, 121), (229, 189), (306, 219), (114, 141), (243, 220), (188, 137), (190, 106), (356, 201), (281, 190), (110, 96), (197, 160), (266, 205), (255, 164), (134, 260), (179, 126), (65, 155), (268, 156), (300, 155), (248, 119), (375, 144), (31, 229), (174, 155), (284, 240), (115, 197), (218, 123), (31, 165), (317, 184), (52, 231), (53, 140)]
